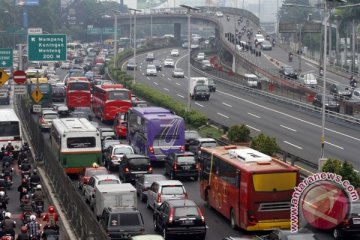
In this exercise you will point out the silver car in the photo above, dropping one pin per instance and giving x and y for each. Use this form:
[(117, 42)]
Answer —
[(178, 73)]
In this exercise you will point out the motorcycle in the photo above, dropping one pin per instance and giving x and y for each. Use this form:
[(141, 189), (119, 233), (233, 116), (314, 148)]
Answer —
[(35, 237), (8, 181), (26, 217), (290, 58), (7, 237), (273, 43), (25, 174), (38, 207)]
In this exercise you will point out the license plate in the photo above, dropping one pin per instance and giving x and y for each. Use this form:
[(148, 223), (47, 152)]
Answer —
[(187, 222), (356, 220), (186, 167)]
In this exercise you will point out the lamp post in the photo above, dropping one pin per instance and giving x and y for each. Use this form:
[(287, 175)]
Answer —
[(115, 36), (189, 50), (135, 10)]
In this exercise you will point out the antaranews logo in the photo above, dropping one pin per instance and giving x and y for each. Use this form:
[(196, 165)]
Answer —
[(322, 200)]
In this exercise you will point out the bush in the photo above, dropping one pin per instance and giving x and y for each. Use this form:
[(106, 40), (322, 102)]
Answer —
[(239, 133), (346, 170), (265, 144)]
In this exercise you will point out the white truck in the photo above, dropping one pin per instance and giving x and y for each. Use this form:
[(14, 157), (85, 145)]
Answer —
[(199, 88), (114, 195)]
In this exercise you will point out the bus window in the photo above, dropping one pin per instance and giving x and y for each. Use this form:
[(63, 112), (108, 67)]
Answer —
[(81, 142), (9, 129)]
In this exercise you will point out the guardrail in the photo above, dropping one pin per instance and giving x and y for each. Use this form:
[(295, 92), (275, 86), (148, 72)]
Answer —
[(79, 215)]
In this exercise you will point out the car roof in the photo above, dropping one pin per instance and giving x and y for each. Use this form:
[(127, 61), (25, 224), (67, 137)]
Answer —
[(169, 182), (187, 153), (123, 209), (121, 146), (147, 237), (135, 156), (49, 112), (181, 203), (206, 140), (106, 176)]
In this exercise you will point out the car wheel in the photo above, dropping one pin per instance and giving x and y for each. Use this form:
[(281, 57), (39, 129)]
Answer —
[(232, 219), (156, 227), (337, 234)]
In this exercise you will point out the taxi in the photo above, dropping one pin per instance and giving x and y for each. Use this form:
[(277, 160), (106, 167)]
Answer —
[(89, 172)]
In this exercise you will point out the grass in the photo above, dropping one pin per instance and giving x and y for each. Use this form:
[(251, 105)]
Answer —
[(210, 131)]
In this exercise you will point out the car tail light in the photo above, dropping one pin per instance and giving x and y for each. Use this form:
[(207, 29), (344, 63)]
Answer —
[(151, 150), (186, 195), (197, 166), (126, 169), (201, 215), (113, 157), (94, 190), (182, 148), (171, 215), (42, 120), (150, 169), (158, 198), (174, 166), (251, 216), (346, 222)]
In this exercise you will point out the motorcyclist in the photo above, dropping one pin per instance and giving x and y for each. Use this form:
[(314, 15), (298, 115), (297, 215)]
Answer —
[(26, 204), (7, 170), (273, 42), (38, 196), (34, 179), (8, 225), (3, 200), (23, 188), (24, 234), (9, 147), (290, 56), (3, 183), (353, 82), (7, 158), (21, 156), (49, 230), (51, 217), (33, 227), (26, 147), (25, 165)]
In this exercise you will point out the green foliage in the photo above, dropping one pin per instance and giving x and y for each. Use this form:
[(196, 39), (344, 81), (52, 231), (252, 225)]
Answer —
[(265, 144), (239, 133), (346, 170)]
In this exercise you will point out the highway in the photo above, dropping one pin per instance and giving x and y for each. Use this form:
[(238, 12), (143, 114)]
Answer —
[(297, 132)]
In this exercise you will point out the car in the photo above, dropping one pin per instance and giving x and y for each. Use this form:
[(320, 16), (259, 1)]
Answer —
[(65, 65), (195, 145), (288, 235), (259, 38), (106, 143), (288, 71), (151, 70), (58, 94), (158, 65), (133, 166), (169, 62), (189, 136), (331, 103), (89, 188), (46, 118), (106, 132), (143, 183), (174, 53), (219, 14), (355, 96), (200, 56), (308, 79), (88, 172), (178, 73), (147, 237), (251, 80), (120, 122), (114, 154), (122, 222), (62, 110), (211, 85), (182, 164), (150, 57), (185, 45), (340, 90), (163, 190), (82, 112), (179, 218), (266, 45), (131, 65), (205, 64), (351, 225)]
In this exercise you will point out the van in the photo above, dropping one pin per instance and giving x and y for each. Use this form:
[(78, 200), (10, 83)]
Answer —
[(251, 80)]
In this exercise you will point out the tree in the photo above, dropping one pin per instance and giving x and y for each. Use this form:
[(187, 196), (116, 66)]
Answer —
[(265, 144), (346, 170), (332, 165), (239, 133)]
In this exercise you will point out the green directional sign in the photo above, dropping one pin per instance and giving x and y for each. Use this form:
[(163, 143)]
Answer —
[(6, 57), (47, 47), (94, 31), (108, 30)]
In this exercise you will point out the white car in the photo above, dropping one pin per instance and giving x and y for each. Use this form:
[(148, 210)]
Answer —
[(151, 70), (65, 65), (169, 62), (114, 154), (259, 38), (219, 14), (174, 53), (178, 73), (200, 56)]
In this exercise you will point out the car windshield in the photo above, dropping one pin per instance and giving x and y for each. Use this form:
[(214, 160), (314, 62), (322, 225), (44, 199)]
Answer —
[(93, 172), (186, 159), (202, 87), (208, 144), (150, 178), (109, 143), (186, 211), (130, 219), (178, 70), (289, 69), (138, 161), (50, 116), (172, 190), (151, 67), (123, 150), (108, 181)]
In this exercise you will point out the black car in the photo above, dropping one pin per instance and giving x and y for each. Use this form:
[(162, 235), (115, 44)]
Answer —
[(288, 71), (330, 102), (143, 183), (211, 85), (351, 225), (157, 64), (133, 166), (189, 136), (131, 65), (122, 223), (181, 165), (58, 94), (179, 218), (150, 57), (340, 90)]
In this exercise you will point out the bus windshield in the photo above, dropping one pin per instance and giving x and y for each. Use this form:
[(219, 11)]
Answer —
[(79, 86), (9, 129), (118, 95), (81, 142)]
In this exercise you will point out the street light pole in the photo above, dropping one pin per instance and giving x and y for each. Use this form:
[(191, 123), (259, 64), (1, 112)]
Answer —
[(115, 38), (189, 51), (135, 10)]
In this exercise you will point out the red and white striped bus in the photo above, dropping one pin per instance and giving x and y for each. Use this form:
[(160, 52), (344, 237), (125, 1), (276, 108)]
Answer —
[(78, 92)]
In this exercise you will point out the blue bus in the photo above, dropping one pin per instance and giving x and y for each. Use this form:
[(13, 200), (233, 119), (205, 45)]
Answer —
[(155, 132)]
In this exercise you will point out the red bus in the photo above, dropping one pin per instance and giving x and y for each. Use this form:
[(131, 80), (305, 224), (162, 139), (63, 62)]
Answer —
[(78, 92), (251, 189), (109, 100)]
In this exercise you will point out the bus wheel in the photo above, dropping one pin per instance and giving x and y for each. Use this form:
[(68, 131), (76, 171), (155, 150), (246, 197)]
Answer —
[(232, 219)]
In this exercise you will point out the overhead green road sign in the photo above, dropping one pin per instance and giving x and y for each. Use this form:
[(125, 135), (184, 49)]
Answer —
[(6, 57), (47, 47), (94, 31)]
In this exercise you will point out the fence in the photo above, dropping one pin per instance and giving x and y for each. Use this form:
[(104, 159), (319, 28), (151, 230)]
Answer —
[(79, 215)]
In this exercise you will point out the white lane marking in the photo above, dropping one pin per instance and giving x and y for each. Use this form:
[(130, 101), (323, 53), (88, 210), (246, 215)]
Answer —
[(148, 78), (166, 89), (291, 144), (251, 114), (334, 145), (258, 130), (163, 75), (199, 104), (143, 74), (186, 77), (169, 79), (180, 59), (156, 83), (289, 116), (178, 84), (291, 129), (222, 115), (227, 104), (180, 95), (309, 64)]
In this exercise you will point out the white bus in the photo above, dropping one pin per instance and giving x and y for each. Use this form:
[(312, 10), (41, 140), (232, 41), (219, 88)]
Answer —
[(76, 142), (10, 128)]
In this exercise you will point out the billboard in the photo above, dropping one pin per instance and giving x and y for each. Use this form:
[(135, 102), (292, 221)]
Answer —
[(27, 2)]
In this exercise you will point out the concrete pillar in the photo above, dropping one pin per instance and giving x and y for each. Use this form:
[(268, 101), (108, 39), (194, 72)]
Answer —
[(177, 32), (337, 50), (233, 67)]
